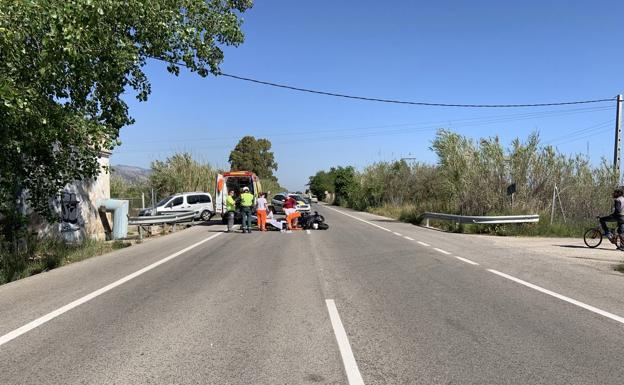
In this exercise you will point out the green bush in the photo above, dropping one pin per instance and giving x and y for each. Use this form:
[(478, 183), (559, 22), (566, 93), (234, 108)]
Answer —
[(46, 254)]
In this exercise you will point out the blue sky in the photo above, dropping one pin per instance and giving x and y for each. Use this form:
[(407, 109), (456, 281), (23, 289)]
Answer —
[(445, 51)]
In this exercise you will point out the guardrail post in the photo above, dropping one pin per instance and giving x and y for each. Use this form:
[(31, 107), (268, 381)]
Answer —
[(427, 222), (140, 232)]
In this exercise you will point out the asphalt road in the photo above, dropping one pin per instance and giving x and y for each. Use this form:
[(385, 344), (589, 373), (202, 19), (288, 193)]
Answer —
[(203, 307)]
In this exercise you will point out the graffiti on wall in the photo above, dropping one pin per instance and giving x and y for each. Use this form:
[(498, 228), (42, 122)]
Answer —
[(70, 212)]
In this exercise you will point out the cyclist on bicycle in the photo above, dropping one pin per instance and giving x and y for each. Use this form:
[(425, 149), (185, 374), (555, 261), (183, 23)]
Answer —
[(616, 216)]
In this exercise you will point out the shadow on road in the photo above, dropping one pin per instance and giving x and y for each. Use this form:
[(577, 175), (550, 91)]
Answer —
[(579, 247), (211, 222)]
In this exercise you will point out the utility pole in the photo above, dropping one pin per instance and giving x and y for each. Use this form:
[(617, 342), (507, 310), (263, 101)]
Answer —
[(618, 141)]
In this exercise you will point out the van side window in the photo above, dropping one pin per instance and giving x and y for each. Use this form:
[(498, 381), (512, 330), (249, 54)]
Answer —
[(204, 198), (177, 201), (192, 199)]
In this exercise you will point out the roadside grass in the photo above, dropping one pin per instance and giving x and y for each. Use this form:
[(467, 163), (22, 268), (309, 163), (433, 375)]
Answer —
[(43, 255), (411, 214)]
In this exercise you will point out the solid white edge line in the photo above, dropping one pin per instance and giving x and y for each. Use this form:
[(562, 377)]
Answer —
[(423, 243), (561, 297), (348, 360), (467, 260), (409, 239), (441, 251), (50, 316), (395, 233), (359, 219)]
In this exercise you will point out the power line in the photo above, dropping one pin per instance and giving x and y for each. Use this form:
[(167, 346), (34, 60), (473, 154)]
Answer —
[(604, 130), (578, 132), (395, 101)]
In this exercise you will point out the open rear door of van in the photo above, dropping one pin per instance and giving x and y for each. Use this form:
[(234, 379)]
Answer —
[(220, 195)]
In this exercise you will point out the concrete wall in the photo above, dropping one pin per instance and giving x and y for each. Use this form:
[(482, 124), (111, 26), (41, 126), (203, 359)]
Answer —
[(77, 208)]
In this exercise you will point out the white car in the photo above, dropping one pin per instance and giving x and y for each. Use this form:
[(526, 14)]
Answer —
[(302, 205), (200, 202)]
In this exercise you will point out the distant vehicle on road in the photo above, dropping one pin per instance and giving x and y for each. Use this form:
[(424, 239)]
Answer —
[(278, 202), (314, 199), (200, 202), (234, 181)]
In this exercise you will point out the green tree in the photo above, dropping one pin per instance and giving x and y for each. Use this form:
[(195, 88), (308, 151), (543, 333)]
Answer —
[(251, 154), (64, 65), (346, 185), (319, 183)]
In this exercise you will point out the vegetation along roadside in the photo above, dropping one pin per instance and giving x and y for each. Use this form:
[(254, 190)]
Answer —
[(472, 178)]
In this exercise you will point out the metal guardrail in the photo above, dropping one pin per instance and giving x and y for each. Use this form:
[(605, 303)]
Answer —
[(150, 220), (489, 220)]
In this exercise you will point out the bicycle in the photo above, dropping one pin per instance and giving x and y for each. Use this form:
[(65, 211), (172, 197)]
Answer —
[(593, 237)]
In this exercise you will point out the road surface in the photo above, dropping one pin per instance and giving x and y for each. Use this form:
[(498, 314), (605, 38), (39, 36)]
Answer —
[(370, 301)]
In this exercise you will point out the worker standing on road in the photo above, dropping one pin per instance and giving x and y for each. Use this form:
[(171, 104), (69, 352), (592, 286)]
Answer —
[(247, 203), (261, 211), (230, 206)]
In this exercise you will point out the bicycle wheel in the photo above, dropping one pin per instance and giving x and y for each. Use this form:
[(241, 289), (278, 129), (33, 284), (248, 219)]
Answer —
[(592, 238)]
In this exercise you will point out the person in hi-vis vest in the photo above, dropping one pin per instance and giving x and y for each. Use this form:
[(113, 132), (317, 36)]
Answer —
[(247, 202), (230, 205)]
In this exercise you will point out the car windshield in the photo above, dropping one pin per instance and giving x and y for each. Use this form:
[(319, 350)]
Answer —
[(162, 202), (298, 198)]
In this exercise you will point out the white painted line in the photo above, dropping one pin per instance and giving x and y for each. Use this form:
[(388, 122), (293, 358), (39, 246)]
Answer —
[(348, 360), (467, 260), (399, 234), (308, 232), (441, 251), (423, 243), (50, 316), (561, 297), (359, 219), (409, 239)]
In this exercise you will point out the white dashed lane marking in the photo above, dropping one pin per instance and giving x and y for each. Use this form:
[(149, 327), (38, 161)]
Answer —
[(580, 304), (466, 260), (561, 297), (348, 360)]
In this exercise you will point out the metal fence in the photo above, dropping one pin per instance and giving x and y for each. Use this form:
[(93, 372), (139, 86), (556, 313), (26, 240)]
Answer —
[(171, 219), (489, 220)]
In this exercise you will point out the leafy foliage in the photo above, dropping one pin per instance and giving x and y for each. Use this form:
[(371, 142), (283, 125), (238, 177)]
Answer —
[(251, 154), (344, 182), (471, 178), (181, 173), (64, 65), (322, 182)]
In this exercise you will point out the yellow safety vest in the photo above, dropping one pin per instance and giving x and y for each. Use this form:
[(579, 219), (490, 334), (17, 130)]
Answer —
[(247, 199), (230, 203)]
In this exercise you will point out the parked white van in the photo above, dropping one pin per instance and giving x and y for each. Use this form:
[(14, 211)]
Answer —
[(200, 202)]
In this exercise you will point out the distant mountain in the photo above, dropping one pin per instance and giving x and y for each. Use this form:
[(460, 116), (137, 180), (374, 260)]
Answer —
[(131, 174)]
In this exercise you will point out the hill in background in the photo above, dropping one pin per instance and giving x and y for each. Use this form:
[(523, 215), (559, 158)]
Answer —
[(131, 174)]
